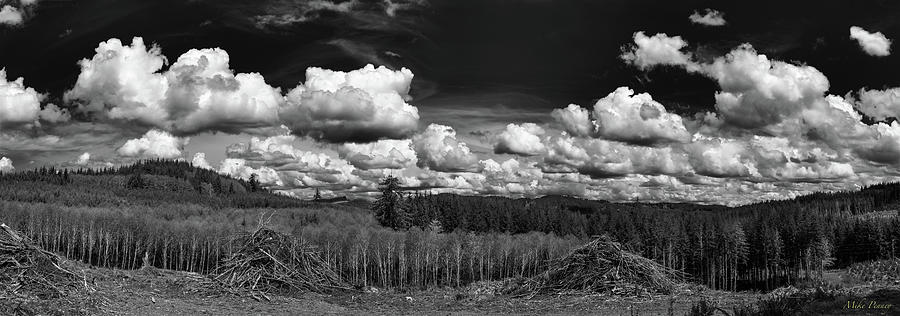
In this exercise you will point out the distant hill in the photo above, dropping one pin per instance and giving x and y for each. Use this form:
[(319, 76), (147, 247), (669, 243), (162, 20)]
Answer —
[(148, 182), (568, 215)]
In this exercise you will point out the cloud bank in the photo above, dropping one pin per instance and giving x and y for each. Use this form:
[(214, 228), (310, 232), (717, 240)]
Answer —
[(774, 130)]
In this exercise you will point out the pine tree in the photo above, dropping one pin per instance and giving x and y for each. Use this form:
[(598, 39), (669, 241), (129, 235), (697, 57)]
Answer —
[(217, 185), (389, 208), (318, 195), (254, 183)]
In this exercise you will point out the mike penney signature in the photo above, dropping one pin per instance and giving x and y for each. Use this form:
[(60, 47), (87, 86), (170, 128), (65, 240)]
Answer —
[(866, 305)]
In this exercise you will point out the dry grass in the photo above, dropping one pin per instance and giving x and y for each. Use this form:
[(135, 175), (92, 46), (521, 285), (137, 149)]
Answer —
[(603, 266), (268, 261)]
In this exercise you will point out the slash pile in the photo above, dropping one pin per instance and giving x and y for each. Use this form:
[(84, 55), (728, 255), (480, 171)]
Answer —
[(268, 261), (27, 271), (603, 266)]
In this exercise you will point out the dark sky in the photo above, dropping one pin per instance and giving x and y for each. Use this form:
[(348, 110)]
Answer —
[(488, 112), (555, 52)]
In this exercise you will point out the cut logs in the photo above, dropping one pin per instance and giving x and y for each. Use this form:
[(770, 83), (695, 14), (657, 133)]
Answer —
[(603, 266), (269, 261), (29, 271)]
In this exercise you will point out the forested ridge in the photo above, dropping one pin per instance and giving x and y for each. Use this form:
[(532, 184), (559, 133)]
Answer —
[(178, 214), (146, 182)]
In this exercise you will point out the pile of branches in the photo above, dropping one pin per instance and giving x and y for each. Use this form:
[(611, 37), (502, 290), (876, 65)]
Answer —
[(27, 271), (604, 266), (269, 261)]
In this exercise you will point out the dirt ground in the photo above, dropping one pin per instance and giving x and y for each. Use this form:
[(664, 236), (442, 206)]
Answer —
[(164, 292)]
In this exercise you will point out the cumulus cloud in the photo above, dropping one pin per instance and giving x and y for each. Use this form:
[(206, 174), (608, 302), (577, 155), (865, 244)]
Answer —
[(624, 116), (383, 154), (658, 50), (10, 15), (199, 161), (709, 17), (875, 44), (884, 146), (523, 140), (154, 144), (879, 104), (6, 165), (238, 168), (363, 105), (54, 114), (720, 157), (438, 149), (83, 159), (18, 103), (199, 92), (757, 91), (575, 120)]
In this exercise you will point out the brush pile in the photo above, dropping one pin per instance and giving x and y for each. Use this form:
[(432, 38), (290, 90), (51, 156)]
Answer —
[(603, 266), (27, 271), (268, 261)]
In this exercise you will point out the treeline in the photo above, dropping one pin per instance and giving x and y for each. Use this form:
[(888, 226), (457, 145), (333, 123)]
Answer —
[(146, 182), (761, 245)]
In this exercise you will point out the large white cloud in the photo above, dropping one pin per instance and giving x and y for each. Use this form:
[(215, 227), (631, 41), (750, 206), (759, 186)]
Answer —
[(660, 49), (197, 93), (438, 149), (18, 103), (363, 105), (875, 44), (709, 17), (757, 91), (625, 116), (523, 140), (154, 144), (6, 165)]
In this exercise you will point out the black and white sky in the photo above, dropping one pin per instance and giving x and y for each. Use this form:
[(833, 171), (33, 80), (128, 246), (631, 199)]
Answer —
[(671, 101)]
